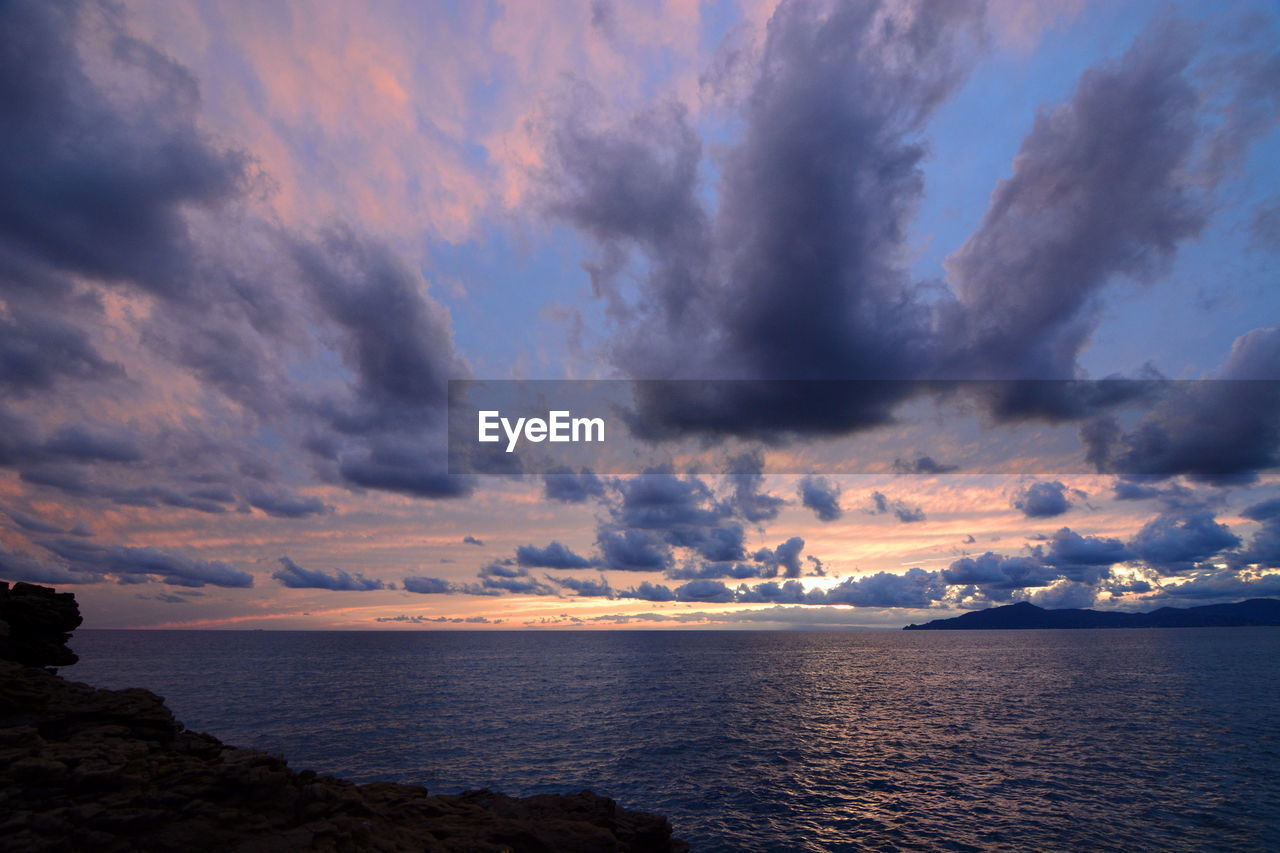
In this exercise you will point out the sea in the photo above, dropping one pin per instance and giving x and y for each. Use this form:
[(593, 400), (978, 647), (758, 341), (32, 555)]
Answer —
[(1093, 740)]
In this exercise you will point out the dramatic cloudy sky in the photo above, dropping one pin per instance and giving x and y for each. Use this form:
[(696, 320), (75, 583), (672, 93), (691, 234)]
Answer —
[(245, 245)]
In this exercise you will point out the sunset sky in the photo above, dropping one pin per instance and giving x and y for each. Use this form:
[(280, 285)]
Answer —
[(244, 246)]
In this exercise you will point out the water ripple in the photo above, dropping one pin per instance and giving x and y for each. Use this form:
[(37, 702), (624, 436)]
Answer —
[(884, 741)]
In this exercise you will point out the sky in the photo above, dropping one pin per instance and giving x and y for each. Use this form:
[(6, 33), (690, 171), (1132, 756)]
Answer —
[(245, 246)]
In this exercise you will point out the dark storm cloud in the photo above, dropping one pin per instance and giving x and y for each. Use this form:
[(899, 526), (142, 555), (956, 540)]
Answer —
[(1043, 500), (224, 342), (997, 575), (771, 592), (658, 499), (109, 181), (501, 578), (585, 587), (19, 567), (30, 523), (563, 485), (1223, 584), (1069, 570), (554, 556), (1171, 495), (659, 510), (812, 287), (704, 591), (1263, 511), (922, 465), (78, 443), (1060, 400), (764, 563), (912, 588), (697, 570), (717, 543), (1075, 554), (84, 186), (814, 218), (633, 551), (164, 598), (646, 591), (283, 504), (35, 351), (1117, 588), (1221, 432), (398, 342), (399, 466), (17, 437), (1176, 541), (904, 512), (295, 577), (428, 586), (61, 477), (1130, 490), (768, 410), (784, 558), (1112, 160), (649, 203), (101, 174), (822, 496), (1264, 548), (750, 503), (795, 274), (155, 496), (678, 525), (76, 481), (138, 565), (216, 494)]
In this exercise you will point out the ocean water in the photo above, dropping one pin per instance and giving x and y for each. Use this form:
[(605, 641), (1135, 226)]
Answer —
[(860, 740)]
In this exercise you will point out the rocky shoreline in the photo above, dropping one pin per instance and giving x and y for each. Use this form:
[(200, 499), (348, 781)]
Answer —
[(111, 770)]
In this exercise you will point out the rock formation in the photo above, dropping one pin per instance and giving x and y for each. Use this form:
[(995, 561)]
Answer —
[(83, 769), (35, 624)]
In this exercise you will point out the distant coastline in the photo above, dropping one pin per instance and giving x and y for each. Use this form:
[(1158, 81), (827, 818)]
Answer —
[(1024, 615)]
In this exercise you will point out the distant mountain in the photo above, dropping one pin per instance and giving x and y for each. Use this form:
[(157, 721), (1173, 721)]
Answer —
[(1255, 611)]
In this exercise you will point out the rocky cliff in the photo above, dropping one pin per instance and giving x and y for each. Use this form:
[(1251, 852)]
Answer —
[(35, 624), (83, 769)]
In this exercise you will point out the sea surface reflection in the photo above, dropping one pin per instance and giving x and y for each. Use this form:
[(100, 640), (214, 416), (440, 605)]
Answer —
[(875, 740)]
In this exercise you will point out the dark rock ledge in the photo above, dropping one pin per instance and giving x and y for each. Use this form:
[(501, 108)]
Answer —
[(83, 769)]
